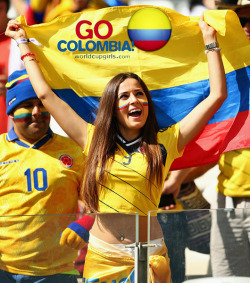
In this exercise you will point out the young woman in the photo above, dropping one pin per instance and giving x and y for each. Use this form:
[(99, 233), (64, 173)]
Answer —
[(128, 157)]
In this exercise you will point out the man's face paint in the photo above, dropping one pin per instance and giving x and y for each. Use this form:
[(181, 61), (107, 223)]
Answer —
[(25, 114)]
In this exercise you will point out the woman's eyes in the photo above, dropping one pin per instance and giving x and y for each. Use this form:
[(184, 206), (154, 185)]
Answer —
[(139, 93), (125, 96)]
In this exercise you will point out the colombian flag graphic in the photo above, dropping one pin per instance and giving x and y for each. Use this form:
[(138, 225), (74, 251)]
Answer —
[(81, 52), (149, 35)]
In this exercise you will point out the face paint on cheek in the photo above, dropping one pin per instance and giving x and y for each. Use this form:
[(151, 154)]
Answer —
[(45, 115), (23, 115), (122, 106), (145, 103)]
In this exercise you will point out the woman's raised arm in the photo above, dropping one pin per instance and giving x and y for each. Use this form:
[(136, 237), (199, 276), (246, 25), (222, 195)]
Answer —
[(193, 123), (65, 116)]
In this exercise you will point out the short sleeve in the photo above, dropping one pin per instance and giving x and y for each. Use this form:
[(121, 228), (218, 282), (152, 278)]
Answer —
[(91, 129), (168, 138)]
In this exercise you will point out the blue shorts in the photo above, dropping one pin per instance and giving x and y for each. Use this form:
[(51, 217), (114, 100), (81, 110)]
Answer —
[(7, 277)]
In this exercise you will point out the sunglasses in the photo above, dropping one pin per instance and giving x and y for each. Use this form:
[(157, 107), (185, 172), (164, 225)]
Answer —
[(244, 21)]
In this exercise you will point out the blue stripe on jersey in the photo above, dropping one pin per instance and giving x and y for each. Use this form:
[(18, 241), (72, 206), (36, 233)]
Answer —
[(22, 143), (41, 142), (12, 136)]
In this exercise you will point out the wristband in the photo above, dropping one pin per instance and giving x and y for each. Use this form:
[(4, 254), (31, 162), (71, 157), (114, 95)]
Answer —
[(27, 40), (21, 40)]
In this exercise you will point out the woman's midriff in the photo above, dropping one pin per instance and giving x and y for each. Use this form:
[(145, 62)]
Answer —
[(115, 228)]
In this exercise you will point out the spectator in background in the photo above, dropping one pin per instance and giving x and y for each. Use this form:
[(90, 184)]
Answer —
[(241, 8), (174, 226), (40, 173), (9, 61), (198, 6), (244, 16), (43, 11)]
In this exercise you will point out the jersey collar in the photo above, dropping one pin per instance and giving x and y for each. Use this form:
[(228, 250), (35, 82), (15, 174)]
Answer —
[(129, 146), (12, 136)]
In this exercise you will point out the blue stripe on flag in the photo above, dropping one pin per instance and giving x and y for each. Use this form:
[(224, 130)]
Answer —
[(173, 104), (149, 34), (86, 107)]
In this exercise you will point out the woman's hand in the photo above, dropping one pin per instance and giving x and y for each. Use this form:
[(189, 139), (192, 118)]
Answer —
[(208, 32), (14, 30)]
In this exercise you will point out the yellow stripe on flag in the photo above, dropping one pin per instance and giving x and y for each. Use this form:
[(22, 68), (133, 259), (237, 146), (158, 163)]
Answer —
[(180, 61)]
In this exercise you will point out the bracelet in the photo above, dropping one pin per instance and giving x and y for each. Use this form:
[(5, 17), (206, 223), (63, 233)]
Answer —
[(214, 46), (212, 49), (211, 45), (27, 54), (30, 54)]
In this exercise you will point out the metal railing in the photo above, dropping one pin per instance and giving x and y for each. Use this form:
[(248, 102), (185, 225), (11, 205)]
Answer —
[(31, 243)]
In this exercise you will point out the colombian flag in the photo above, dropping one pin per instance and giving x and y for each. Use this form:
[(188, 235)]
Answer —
[(83, 51)]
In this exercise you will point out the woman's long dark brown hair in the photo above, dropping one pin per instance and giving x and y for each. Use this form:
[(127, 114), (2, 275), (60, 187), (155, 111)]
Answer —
[(103, 144)]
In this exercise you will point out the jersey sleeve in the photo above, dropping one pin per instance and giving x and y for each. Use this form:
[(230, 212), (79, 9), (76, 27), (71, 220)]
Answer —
[(169, 139), (91, 129)]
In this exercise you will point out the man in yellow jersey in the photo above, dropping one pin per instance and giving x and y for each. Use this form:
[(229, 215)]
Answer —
[(230, 231), (40, 174)]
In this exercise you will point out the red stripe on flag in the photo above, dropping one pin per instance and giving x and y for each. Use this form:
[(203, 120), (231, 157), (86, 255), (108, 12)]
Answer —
[(214, 140), (150, 45)]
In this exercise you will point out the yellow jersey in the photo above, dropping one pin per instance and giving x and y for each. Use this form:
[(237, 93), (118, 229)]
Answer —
[(38, 187), (127, 187), (234, 177)]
